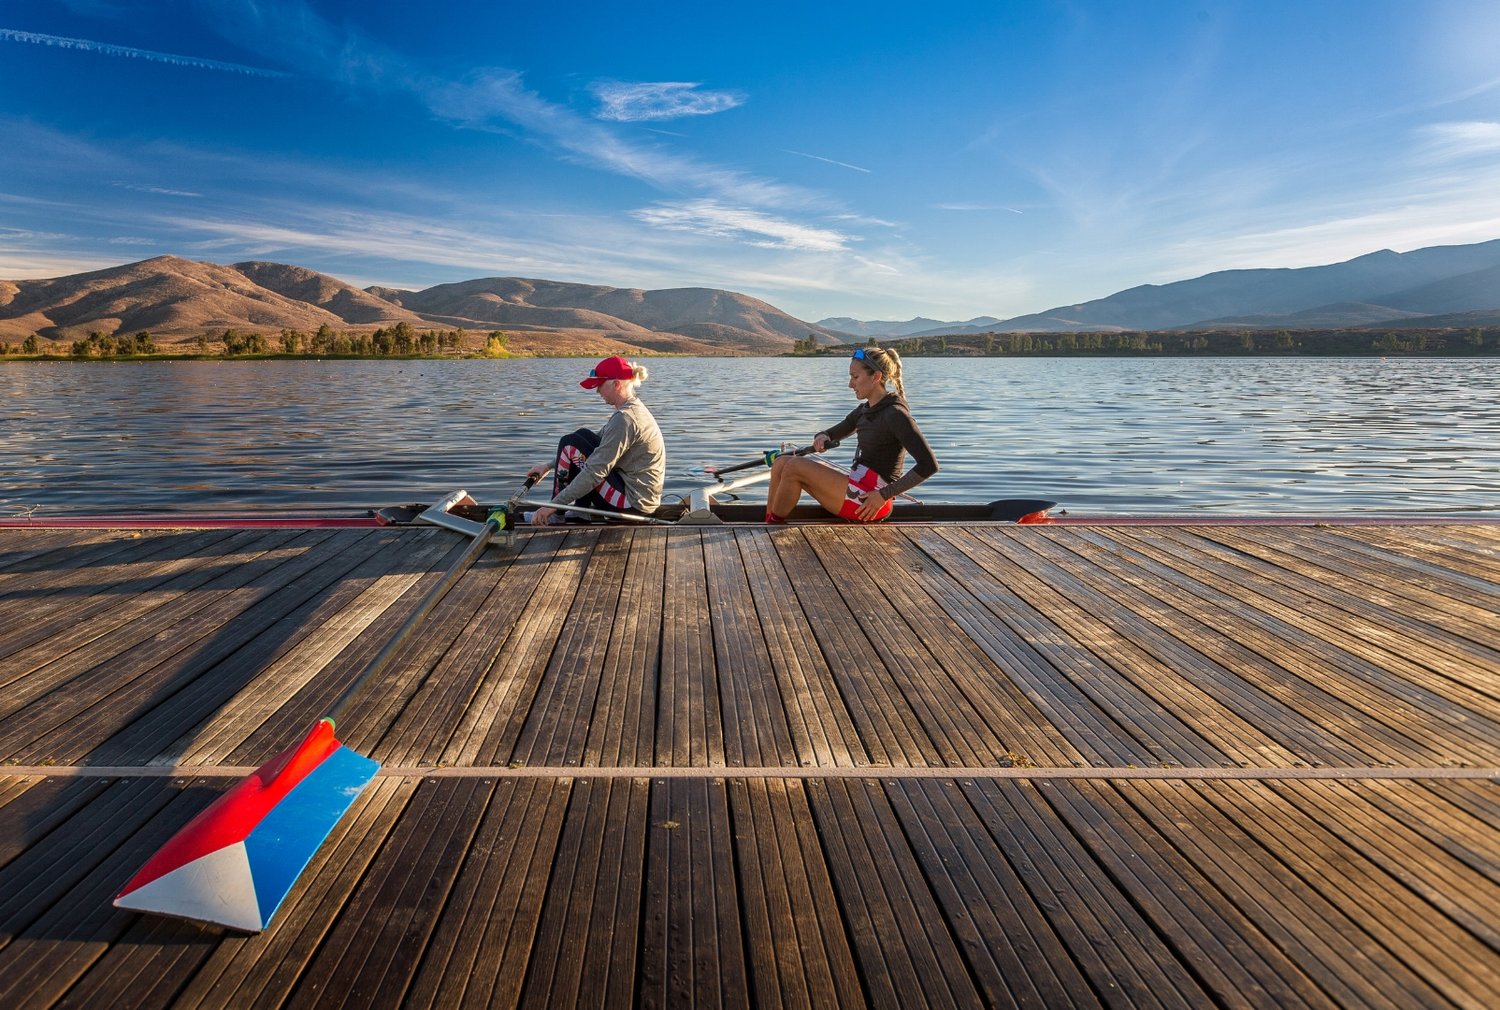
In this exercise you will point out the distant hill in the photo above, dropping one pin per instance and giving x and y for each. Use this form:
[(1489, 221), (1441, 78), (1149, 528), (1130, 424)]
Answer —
[(723, 318), (168, 295), (1425, 281), (174, 298), (179, 299), (1416, 288), (917, 327), (345, 301)]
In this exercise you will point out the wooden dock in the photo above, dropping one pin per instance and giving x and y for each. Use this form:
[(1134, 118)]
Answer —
[(820, 766)]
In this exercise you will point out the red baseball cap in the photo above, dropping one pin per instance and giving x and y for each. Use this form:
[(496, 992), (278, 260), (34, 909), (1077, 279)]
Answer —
[(610, 368)]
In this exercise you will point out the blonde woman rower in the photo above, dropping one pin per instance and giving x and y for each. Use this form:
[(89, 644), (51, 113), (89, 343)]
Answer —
[(621, 467), (886, 432)]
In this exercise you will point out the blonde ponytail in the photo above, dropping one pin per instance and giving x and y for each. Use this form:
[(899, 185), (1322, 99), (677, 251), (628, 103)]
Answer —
[(888, 363)]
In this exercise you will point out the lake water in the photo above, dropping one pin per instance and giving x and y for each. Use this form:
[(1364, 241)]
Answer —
[(1099, 435)]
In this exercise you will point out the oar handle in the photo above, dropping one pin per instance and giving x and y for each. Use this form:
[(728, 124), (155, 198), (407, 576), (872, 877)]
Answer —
[(526, 485), (769, 456), (431, 600)]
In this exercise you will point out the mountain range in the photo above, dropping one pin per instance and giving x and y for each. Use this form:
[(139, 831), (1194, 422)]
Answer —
[(174, 298), (179, 299), (1436, 286)]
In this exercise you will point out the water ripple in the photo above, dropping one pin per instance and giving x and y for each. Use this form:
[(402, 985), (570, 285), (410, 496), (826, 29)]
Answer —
[(1100, 435)]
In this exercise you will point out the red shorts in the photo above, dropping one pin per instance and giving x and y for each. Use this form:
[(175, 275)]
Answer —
[(862, 480)]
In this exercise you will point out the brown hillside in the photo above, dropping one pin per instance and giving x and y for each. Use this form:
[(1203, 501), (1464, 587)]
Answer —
[(392, 295), (345, 301), (174, 298), (167, 296), (719, 317)]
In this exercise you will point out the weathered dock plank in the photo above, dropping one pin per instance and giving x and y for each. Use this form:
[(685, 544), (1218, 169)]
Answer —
[(813, 766)]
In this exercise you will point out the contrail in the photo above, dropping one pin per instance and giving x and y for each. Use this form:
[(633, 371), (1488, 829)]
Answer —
[(840, 164), (11, 35)]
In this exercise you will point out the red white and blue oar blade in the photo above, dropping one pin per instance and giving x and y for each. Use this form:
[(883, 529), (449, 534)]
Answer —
[(236, 861)]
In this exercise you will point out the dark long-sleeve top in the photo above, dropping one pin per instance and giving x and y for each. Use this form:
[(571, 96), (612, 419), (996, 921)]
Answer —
[(886, 433)]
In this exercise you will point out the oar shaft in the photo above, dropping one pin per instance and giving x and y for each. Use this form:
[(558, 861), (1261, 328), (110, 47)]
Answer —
[(570, 507), (762, 461), (431, 600)]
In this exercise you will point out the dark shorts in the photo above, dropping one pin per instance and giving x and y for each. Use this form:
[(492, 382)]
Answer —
[(573, 451)]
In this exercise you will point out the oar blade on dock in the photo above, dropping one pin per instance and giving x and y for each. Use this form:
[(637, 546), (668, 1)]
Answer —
[(235, 862)]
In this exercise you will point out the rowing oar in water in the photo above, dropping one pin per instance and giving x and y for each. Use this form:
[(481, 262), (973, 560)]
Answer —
[(235, 862)]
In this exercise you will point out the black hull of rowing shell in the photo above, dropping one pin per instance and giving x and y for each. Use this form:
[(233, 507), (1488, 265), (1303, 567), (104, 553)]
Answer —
[(1005, 510), (1011, 510)]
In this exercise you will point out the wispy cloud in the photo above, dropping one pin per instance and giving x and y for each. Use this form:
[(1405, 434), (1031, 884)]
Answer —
[(104, 48), (817, 157), (975, 207), (623, 102), (156, 190), (1450, 141), (500, 97), (706, 217), (1421, 212)]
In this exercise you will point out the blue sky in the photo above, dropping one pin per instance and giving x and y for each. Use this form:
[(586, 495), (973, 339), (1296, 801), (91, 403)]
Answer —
[(870, 159)]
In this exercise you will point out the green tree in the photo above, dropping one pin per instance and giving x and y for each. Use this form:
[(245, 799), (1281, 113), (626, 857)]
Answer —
[(31, 345), (497, 344), (402, 337)]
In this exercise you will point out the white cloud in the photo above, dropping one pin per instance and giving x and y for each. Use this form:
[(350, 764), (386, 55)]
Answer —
[(497, 99), (500, 94), (622, 102), (1451, 141), (1467, 212), (708, 217)]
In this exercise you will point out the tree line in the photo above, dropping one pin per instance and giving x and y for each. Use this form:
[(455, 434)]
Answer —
[(400, 340), (1479, 340)]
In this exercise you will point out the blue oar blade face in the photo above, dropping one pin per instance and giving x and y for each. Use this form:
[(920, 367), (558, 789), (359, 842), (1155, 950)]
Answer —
[(235, 862), (280, 848)]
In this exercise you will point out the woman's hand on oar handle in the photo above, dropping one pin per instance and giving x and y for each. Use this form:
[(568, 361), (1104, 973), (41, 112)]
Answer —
[(539, 471), (820, 442)]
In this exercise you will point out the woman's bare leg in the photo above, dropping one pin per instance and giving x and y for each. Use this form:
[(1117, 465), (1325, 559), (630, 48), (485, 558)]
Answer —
[(791, 475)]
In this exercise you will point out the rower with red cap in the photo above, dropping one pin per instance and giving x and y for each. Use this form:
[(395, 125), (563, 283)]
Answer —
[(621, 467)]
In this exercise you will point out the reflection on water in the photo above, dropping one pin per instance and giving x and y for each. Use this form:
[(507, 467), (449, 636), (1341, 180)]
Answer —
[(1100, 435)]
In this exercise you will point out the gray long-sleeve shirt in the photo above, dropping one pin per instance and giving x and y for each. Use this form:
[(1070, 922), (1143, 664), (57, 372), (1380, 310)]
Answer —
[(629, 442)]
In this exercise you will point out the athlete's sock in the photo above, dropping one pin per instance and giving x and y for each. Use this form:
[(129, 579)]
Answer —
[(772, 519)]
